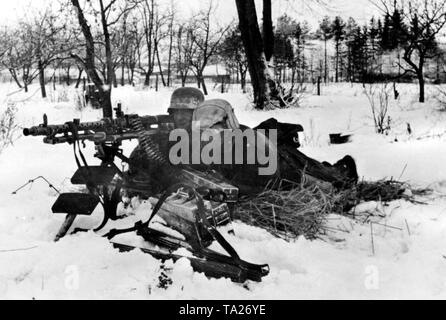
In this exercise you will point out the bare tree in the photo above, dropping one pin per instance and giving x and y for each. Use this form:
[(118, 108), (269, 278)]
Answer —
[(153, 22), (325, 33), (5, 41), (254, 45), (378, 96), (127, 40), (206, 41), (135, 39), (234, 55), (108, 13), (52, 39), (9, 127), (34, 45), (122, 42), (423, 21), (171, 35), (17, 57), (184, 50), (268, 30), (255, 52), (147, 9), (162, 20)]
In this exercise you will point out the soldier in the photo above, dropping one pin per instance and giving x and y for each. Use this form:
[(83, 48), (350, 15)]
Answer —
[(188, 105), (182, 105), (149, 177)]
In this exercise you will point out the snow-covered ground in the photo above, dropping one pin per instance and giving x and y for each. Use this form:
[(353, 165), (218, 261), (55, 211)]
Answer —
[(407, 259)]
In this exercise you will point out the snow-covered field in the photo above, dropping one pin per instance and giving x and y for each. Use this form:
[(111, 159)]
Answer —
[(407, 259)]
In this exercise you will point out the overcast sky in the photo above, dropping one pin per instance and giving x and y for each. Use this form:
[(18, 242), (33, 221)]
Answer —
[(361, 10)]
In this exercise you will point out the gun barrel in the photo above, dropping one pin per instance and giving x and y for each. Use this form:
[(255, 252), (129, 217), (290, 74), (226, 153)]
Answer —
[(101, 125), (45, 130)]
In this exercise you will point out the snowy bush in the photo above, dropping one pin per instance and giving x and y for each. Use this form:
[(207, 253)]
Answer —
[(378, 96), (79, 100), (288, 95), (58, 95), (441, 97), (8, 127), (311, 138), (63, 95)]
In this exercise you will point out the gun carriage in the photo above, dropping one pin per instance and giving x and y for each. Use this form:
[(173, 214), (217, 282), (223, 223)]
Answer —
[(190, 201)]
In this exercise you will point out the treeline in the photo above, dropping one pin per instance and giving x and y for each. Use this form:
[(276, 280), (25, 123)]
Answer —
[(113, 42), (405, 35), (350, 51)]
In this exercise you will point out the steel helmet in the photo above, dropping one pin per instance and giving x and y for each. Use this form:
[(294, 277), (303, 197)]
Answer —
[(186, 98)]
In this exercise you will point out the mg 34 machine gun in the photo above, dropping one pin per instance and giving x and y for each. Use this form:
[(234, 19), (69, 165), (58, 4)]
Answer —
[(192, 202)]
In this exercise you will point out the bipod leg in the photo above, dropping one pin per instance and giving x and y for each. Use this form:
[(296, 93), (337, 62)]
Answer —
[(66, 225), (111, 201)]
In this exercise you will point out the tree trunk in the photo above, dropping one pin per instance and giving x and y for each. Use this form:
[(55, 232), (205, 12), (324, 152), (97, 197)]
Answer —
[(68, 76), (169, 59), (242, 78), (421, 84), (14, 76), (326, 64), (159, 65), (183, 80), (25, 79), (268, 33), (293, 76), (122, 74), (89, 62), (147, 79), (419, 70), (243, 83), (105, 99), (253, 44), (107, 107), (203, 83), (337, 62), (42, 78), (115, 80), (79, 77), (132, 75)]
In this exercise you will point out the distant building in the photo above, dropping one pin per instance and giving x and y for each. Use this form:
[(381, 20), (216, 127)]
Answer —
[(216, 73)]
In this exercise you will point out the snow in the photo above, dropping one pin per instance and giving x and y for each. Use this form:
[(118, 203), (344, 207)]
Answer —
[(406, 260)]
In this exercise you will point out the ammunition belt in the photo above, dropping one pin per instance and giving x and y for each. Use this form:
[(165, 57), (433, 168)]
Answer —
[(146, 142)]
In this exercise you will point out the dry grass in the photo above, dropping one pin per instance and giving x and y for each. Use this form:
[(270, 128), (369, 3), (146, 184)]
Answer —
[(302, 210), (288, 214), (9, 129)]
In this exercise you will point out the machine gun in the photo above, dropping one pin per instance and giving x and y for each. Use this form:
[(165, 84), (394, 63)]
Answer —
[(186, 207), (106, 132)]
